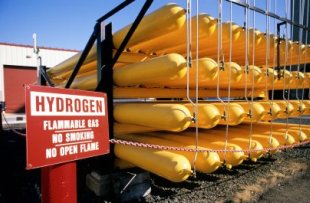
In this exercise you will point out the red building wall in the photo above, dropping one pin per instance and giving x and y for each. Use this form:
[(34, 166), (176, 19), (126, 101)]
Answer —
[(15, 78)]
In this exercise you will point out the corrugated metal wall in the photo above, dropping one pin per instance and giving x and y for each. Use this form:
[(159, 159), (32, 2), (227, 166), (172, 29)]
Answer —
[(23, 56), (17, 55)]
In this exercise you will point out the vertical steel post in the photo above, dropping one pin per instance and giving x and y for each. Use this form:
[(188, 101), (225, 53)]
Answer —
[(58, 182), (105, 78), (41, 80), (278, 51), (105, 69), (278, 48)]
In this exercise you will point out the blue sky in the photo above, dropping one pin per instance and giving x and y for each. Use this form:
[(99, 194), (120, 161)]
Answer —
[(68, 24)]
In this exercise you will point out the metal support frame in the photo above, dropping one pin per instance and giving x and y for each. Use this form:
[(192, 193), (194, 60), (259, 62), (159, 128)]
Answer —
[(105, 71), (278, 48), (59, 181), (44, 79), (92, 39), (106, 61), (270, 14), (284, 21)]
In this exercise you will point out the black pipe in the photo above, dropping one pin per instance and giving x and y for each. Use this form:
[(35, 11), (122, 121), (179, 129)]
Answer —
[(105, 71), (44, 77), (132, 29), (82, 58), (115, 10), (278, 48)]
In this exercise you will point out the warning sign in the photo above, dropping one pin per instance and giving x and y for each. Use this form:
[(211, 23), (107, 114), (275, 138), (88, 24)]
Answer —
[(64, 125)]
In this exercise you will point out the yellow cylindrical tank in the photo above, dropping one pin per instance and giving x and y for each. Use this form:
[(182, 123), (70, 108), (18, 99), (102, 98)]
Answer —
[(287, 76), (64, 69), (307, 80), (238, 41), (140, 92), (207, 70), (285, 81), (269, 75), (211, 80), (171, 117), (166, 19), (124, 128), (233, 111), (304, 129), (272, 110), (237, 34), (307, 110), (256, 109), (84, 83), (70, 62), (84, 69), (299, 108), (235, 72), (286, 108), (282, 137), (297, 78), (243, 142), (207, 42), (254, 77), (232, 158), (206, 162), (171, 40), (236, 75), (208, 115), (296, 134), (171, 166), (153, 72), (266, 141), (257, 35)]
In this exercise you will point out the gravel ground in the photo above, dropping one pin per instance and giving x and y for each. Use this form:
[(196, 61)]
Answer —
[(250, 182), (286, 173)]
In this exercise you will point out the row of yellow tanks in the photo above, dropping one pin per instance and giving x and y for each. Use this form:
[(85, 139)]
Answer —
[(172, 125), (177, 166), (154, 66)]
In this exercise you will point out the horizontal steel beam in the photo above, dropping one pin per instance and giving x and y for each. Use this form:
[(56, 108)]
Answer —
[(270, 14)]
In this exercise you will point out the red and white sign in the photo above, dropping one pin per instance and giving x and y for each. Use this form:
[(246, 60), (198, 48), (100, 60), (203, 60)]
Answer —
[(64, 125)]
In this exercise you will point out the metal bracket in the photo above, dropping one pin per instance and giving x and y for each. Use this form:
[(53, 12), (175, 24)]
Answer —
[(222, 65), (194, 118), (224, 116), (250, 115), (44, 79)]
